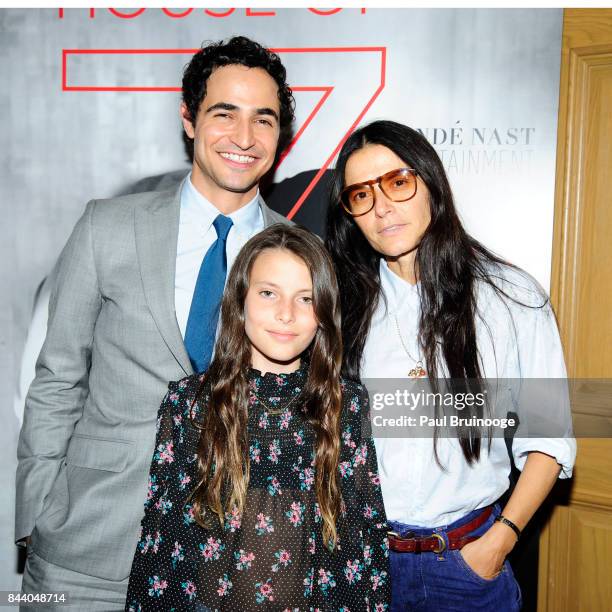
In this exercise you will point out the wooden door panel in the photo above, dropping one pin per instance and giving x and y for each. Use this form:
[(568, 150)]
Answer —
[(589, 545), (593, 329), (576, 544)]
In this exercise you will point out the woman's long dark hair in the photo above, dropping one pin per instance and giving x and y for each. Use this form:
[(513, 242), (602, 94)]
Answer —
[(223, 452), (448, 264)]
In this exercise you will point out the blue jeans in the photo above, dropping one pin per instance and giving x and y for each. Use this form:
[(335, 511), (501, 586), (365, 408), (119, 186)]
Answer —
[(431, 582)]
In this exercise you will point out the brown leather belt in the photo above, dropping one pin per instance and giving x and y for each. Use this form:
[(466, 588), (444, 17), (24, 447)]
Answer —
[(457, 538)]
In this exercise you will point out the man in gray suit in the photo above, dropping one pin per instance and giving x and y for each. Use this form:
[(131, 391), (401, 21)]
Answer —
[(122, 309)]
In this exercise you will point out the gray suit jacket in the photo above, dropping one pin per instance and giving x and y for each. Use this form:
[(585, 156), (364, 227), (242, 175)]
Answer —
[(112, 345)]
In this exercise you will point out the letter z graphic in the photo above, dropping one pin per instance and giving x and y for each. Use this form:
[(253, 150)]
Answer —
[(334, 89)]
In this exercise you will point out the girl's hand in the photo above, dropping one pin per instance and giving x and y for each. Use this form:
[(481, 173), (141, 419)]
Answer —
[(487, 554)]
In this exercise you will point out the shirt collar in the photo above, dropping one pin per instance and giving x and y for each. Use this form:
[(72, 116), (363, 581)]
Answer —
[(397, 291), (193, 202)]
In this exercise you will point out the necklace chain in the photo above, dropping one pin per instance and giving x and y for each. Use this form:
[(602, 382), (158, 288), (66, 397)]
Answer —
[(275, 410), (418, 370)]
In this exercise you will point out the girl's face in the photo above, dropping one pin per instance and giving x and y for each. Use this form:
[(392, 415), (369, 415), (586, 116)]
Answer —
[(393, 229), (278, 311)]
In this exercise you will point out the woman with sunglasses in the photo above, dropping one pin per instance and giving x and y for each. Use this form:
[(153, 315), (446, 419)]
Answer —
[(423, 299)]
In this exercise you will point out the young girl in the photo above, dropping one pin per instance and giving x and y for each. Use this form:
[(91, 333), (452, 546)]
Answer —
[(263, 490)]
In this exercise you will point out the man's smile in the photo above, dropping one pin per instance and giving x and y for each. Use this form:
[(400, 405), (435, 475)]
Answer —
[(237, 158)]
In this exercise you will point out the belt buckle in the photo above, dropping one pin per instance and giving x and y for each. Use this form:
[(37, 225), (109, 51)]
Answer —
[(442, 542)]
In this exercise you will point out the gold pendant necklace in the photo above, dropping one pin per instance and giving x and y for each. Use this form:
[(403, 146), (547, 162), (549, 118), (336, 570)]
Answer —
[(418, 371)]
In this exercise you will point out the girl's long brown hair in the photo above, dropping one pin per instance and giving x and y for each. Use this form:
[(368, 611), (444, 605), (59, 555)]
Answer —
[(223, 451)]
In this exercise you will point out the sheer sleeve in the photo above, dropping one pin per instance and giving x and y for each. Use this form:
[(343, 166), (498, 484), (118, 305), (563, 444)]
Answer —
[(160, 473), (158, 549), (368, 509)]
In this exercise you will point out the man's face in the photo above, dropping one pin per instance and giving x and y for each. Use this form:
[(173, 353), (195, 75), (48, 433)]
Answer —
[(235, 135)]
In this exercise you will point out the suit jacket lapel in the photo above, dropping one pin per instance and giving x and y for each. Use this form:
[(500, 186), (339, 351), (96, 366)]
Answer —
[(270, 217), (267, 217), (156, 226)]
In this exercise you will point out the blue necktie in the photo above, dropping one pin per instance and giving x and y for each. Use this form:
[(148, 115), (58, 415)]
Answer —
[(204, 312)]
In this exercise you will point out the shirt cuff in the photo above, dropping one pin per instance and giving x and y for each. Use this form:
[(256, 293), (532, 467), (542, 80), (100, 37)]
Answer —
[(562, 449)]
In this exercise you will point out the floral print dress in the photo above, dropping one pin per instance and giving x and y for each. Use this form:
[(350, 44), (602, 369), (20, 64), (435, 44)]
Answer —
[(272, 557)]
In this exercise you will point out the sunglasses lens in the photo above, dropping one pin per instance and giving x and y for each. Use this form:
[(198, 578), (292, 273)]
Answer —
[(359, 199), (399, 185)]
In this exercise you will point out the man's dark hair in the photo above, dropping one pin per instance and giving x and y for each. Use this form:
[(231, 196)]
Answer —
[(242, 51)]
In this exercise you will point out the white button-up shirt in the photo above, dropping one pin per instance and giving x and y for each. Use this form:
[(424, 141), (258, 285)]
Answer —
[(197, 234), (516, 342)]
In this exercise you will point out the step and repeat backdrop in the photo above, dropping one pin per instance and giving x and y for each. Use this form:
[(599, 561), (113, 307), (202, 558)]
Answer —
[(90, 109)]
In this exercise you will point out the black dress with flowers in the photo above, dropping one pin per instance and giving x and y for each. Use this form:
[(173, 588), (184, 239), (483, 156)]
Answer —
[(271, 557)]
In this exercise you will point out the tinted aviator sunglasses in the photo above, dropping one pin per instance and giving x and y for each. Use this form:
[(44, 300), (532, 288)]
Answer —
[(398, 185)]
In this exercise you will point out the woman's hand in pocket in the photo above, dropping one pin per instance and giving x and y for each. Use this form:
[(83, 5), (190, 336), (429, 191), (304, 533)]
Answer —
[(487, 554)]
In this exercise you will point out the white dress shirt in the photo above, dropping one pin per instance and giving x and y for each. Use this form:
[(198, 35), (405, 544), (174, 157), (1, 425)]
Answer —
[(515, 342), (197, 234)]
